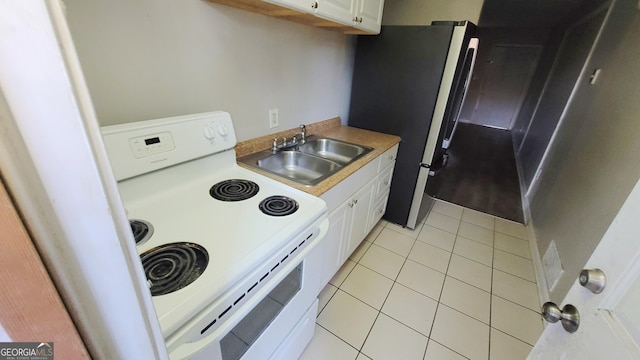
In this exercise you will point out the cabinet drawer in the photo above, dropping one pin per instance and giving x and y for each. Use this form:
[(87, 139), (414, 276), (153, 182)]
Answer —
[(378, 210), (388, 157), (384, 181)]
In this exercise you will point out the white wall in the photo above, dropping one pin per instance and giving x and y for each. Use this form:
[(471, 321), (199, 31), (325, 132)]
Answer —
[(423, 12), (146, 59)]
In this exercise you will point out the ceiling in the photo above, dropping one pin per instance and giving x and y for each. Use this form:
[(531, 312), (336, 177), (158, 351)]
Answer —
[(526, 13)]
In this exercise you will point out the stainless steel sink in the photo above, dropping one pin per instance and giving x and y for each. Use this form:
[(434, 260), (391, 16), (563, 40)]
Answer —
[(335, 150), (299, 167), (308, 163)]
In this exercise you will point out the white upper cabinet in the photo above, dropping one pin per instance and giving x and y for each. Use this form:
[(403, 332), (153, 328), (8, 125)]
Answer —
[(337, 10), (368, 15), (346, 16), (361, 14), (305, 6)]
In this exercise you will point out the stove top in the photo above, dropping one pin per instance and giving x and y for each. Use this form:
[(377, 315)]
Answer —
[(234, 190), (192, 192), (171, 267)]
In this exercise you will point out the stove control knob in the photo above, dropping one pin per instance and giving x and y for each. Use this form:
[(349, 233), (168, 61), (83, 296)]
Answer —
[(223, 130), (209, 132)]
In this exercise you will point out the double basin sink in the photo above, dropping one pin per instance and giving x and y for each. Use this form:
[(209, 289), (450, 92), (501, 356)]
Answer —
[(309, 163)]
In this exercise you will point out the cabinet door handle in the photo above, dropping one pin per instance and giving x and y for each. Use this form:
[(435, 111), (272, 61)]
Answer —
[(386, 183), (314, 5), (360, 20), (351, 203), (390, 157), (355, 201)]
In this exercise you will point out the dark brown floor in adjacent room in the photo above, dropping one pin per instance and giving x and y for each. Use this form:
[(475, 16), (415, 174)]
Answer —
[(481, 173)]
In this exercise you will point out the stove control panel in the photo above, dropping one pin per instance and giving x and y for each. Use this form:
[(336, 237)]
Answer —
[(144, 146), (141, 147)]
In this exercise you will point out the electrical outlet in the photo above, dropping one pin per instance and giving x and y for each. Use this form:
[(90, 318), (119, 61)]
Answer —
[(273, 118)]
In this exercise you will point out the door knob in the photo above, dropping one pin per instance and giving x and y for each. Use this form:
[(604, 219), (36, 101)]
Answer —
[(593, 279), (568, 316)]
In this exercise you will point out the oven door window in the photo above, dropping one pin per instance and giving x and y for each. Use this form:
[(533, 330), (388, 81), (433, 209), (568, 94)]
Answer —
[(243, 335)]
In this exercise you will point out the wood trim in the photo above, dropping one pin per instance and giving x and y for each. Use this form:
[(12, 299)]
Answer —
[(301, 17), (30, 307)]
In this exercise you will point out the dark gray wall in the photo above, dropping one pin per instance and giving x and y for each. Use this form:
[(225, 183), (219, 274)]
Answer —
[(496, 36), (594, 160), (545, 62), (569, 62)]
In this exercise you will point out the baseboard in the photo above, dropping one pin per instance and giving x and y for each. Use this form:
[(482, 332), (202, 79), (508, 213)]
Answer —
[(541, 280)]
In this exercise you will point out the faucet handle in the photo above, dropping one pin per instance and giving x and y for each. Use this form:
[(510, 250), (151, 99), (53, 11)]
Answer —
[(303, 133), (274, 146)]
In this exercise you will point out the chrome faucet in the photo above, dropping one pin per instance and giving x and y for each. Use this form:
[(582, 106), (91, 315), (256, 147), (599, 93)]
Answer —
[(291, 145), (303, 134)]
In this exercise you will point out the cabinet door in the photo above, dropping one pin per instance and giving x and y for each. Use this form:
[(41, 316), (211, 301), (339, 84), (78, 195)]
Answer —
[(305, 6), (379, 208), (338, 10), (369, 15), (337, 235), (384, 182), (360, 204)]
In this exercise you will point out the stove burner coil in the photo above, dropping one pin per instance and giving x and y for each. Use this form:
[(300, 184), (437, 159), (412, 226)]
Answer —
[(278, 206), (142, 230), (173, 266), (234, 190)]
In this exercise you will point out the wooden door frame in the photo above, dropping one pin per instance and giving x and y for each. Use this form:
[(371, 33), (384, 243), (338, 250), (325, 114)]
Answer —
[(53, 162), (30, 307)]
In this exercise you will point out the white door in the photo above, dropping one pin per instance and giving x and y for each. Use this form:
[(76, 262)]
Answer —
[(609, 321)]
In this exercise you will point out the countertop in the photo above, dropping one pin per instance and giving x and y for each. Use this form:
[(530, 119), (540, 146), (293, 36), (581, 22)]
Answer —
[(331, 128)]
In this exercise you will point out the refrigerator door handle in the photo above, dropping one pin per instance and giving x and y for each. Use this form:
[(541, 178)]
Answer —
[(425, 165)]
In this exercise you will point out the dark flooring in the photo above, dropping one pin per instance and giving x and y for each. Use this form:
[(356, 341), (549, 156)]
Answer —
[(481, 173)]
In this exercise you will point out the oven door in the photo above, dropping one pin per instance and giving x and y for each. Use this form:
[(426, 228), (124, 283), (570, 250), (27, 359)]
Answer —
[(275, 321)]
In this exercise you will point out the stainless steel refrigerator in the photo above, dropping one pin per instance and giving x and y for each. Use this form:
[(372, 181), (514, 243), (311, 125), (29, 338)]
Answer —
[(411, 81)]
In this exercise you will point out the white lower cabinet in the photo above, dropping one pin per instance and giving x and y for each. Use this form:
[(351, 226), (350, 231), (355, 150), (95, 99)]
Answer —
[(355, 205), (360, 205), (339, 221)]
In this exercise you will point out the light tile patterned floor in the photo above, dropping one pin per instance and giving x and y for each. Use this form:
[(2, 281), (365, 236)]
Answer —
[(461, 286)]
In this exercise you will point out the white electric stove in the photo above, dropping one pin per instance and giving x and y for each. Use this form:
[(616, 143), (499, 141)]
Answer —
[(216, 240)]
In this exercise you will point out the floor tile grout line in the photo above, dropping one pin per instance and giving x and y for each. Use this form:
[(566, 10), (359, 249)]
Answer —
[(435, 313), (359, 350), (385, 300), (451, 253), (520, 305), (508, 252), (515, 276), (512, 235), (372, 324), (327, 303), (493, 253), (444, 346), (339, 338), (512, 336), (475, 241)]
